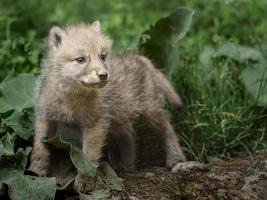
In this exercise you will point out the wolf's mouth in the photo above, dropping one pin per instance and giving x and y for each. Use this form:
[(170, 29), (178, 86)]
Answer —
[(95, 85)]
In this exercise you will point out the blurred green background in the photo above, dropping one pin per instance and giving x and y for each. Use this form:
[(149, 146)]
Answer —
[(25, 23), (220, 116)]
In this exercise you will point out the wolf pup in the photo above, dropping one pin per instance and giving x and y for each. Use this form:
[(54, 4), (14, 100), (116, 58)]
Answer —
[(101, 95)]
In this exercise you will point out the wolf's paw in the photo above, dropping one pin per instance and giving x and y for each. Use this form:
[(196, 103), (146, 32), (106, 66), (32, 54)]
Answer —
[(171, 161), (40, 168), (186, 166), (85, 184), (40, 160)]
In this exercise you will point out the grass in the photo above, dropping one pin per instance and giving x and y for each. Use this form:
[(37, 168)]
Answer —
[(220, 118)]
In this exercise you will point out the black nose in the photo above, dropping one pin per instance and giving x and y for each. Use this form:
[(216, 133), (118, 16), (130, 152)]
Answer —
[(103, 76)]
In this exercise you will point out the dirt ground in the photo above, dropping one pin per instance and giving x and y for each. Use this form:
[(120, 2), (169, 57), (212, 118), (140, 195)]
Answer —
[(242, 177), (239, 178)]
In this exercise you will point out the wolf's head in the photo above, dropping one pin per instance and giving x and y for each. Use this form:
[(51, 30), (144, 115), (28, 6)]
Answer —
[(79, 55)]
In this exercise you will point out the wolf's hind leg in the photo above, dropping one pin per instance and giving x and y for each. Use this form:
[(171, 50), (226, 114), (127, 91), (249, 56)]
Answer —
[(123, 140), (159, 122)]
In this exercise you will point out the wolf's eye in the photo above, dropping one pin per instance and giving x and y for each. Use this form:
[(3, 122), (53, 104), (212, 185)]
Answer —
[(80, 60), (103, 57)]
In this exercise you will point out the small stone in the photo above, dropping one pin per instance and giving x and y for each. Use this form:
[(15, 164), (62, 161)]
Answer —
[(187, 166), (133, 198), (149, 174)]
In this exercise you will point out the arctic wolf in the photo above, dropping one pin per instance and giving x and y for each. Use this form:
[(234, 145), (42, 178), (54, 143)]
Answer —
[(85, 87)]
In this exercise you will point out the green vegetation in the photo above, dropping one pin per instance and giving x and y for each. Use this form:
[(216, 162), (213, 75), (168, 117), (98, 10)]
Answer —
[(220, 72)]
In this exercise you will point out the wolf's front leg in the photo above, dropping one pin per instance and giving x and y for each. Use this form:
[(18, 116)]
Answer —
[(93, 141), (92, 145), (40, 157)]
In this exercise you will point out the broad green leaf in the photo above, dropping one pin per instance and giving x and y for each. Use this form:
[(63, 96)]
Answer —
[(254, 76), (81, 163), (8, 144), (20, 158), (6, 173), (58, 143), (31, 187), (24, 187), (110, 178), (11, 166), (17, 122), (17, 92), (16, 162), (255, 80), (206, 56), (160, 42), (230, 50), (84, 166), (238, 53)]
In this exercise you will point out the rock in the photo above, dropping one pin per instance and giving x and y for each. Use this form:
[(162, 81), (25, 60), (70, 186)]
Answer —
[(187, 166), (133, 198), (149, 174)]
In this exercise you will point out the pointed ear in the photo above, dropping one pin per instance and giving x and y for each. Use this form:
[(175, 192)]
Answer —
[(55, 37), (96, 26)]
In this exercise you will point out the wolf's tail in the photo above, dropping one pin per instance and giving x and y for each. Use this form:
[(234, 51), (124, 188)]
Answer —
[(168, 91)]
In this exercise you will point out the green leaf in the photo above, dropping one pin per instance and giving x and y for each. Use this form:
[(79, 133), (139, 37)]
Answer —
[(84, 166), (238, 53), (17, 122), (111, 179), (254, 76), (24, 187), (12, 165), (255, 80), (58, 143), (7, 173), (17, 92), (30, 187), (79, 160), (16, 162), (8, 144), (206, 56), (160, 42)]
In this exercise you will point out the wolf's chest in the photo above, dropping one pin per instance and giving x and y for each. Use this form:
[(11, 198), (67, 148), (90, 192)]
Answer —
[(72, 110)]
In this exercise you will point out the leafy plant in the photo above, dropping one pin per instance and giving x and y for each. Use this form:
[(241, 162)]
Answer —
[(18, 96), (253, 73), (160, 42), (17, 93)]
